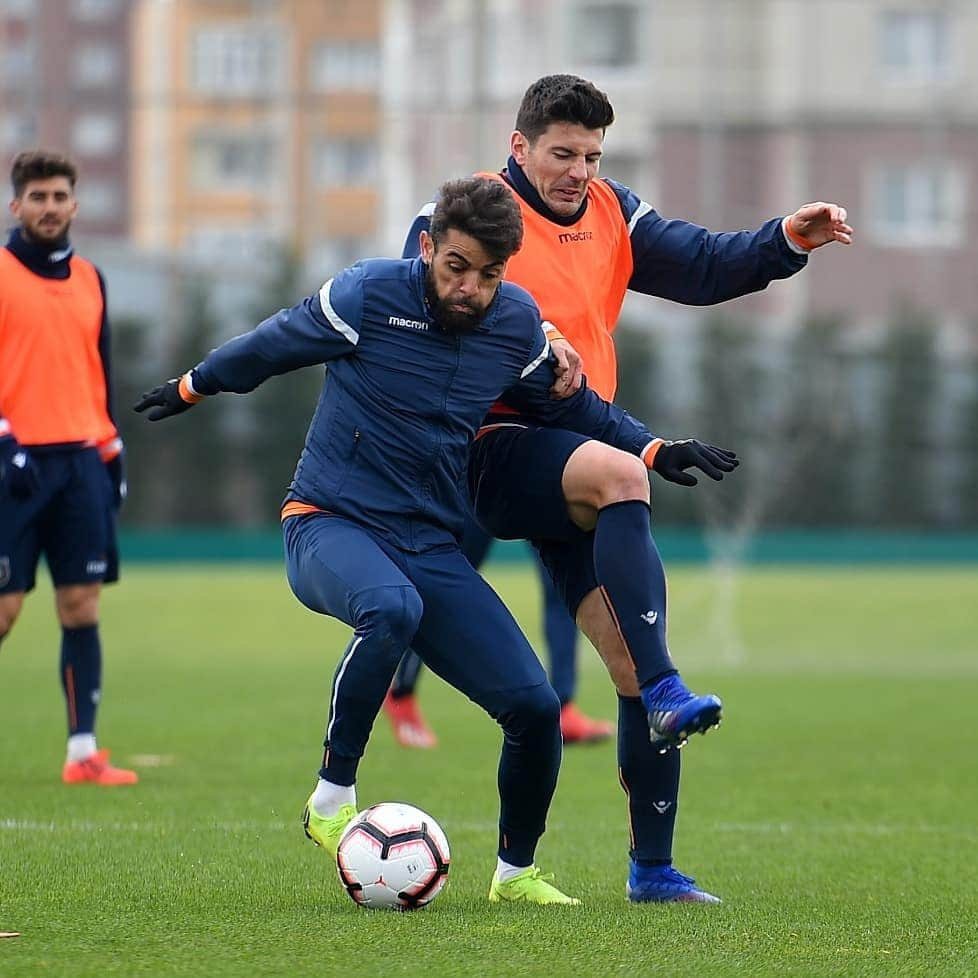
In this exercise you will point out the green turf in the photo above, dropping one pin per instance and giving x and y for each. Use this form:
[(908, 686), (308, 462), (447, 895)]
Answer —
[(834, 811)]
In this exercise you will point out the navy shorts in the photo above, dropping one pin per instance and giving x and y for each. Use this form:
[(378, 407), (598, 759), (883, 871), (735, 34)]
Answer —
[(515, 475), (71, 520)]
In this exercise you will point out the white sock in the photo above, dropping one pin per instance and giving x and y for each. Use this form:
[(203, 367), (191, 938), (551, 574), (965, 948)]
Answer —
[(506, 871), (81, 746), (328, 798)]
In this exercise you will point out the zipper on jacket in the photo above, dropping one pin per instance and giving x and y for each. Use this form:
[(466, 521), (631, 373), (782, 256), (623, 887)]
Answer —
[(435, 454)]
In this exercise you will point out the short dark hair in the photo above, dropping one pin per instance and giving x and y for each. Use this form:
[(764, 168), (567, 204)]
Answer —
[(483, 208), (36, 164), (562, 98)]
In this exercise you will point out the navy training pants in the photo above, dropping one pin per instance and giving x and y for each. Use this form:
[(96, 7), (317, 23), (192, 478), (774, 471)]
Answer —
[(437, 603)]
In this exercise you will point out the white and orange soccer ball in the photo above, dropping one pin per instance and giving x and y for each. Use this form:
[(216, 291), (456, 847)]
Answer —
[(393, 857)]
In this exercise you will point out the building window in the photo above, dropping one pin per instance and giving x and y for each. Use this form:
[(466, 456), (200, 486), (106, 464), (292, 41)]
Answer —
[(16, 8), (605, 34), (16, 64), (16, 132), (351, 66), (98, 200), (917, 205), (330, 255), (345, 162), (915, 45), (223, 244), (232, 161), (623, 168), (96, 65), (95, 134), (95, 10), (236, 62)]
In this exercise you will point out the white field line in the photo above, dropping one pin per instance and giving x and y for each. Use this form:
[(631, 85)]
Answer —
[(875, 829)]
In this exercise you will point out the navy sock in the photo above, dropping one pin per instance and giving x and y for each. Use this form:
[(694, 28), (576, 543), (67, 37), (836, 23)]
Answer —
[(629, 572), (651, 783), (81, 676)]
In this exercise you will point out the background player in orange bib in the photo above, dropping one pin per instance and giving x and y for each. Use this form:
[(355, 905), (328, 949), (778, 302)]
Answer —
[(61, 478)]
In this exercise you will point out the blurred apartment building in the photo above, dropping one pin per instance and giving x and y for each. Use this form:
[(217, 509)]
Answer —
[(205, 128), (728, 112), (256, 122), (210, 128), (64, 85)]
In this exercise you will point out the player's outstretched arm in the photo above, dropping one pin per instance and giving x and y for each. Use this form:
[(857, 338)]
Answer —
[(169, 399), (817, 224), (672, 459), (322, 327), (591, 415)]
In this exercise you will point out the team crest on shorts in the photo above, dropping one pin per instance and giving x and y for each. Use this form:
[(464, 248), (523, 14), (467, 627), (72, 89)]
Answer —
[(4, 571)]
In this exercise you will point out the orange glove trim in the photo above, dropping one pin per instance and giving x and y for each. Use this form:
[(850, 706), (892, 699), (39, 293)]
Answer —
[(186, 392), (648, 456)]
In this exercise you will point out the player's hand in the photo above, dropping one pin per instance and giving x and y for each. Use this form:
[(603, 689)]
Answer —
[(568, 369), (165, 400), (116, 468), (814, 225), (674, 457), (113, 455), (18, 474)]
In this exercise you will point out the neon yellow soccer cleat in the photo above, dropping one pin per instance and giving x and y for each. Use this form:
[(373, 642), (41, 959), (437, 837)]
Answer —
[(326, 832), (530, 886)]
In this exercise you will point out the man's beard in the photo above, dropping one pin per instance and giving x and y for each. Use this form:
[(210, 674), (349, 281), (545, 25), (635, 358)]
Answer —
[(45, 236), (451, 321)]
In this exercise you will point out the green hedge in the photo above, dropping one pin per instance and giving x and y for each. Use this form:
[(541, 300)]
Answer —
[(788, 546)]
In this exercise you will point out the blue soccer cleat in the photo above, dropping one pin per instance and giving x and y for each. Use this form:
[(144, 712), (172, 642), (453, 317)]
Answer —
[(675, 713), (663, 884)]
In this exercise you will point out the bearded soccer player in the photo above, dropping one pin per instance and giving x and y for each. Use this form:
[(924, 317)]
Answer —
[(588, 241), (61, 478), (417, 351)]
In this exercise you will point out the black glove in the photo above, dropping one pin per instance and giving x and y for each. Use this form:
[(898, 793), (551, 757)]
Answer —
[(17, 471), (165, 399), (674, 457), (116, 467)]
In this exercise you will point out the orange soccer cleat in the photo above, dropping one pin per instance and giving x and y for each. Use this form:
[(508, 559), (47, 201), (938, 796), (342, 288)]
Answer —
[(410, 729), (96, 769), (578, 728)]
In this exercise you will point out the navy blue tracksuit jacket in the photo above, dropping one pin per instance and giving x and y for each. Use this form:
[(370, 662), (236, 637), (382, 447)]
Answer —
[(402, 401)]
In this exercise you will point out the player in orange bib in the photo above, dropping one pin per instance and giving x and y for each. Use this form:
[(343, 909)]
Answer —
[(61, 479), (587, 241)]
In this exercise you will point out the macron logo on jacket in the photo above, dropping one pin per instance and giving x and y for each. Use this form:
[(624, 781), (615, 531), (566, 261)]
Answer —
[(568, 236), (407, 323)]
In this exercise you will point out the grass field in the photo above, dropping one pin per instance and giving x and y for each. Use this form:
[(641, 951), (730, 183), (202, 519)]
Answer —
[(834, 811)]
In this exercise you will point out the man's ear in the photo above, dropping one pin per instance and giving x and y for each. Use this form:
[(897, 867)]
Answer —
[(427, 247), (519, 146)]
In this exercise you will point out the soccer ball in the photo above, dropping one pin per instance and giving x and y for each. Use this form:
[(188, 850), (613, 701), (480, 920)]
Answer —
[(393, 857)]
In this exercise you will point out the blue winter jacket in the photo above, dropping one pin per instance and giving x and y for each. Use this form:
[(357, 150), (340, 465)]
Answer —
[(402, 400)]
